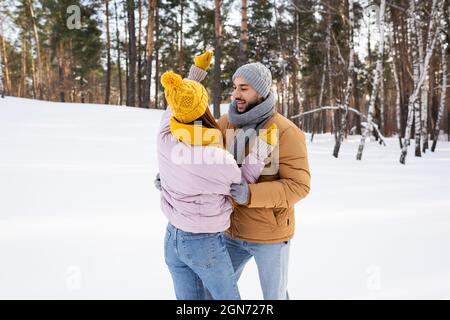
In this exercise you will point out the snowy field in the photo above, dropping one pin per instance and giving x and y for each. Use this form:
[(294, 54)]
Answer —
[(80, 218)]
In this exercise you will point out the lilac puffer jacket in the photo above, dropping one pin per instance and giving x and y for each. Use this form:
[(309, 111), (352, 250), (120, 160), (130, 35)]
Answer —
[(196, 180)]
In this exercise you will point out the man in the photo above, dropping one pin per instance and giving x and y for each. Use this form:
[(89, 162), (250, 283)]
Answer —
[(262, 223)]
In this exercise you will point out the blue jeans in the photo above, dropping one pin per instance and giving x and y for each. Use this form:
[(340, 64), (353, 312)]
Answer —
[(271, 260), (198, 260)]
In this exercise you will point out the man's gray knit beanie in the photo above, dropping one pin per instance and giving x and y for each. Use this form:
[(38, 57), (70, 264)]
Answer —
[(257, 75)]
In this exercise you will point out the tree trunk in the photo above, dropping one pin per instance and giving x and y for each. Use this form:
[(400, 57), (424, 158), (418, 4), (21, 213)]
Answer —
[(33, 73), (349, 88), (376, 80), (38, 51), (60, 53), (217, 58), (356, 96), (180, 47), (23, 69), (49, 76), (156, 57), (2, 86), (7, 82), (330, 79), (127, 61), (443, 95), (397, 87), (82, 93), (282, 62), (424, 115), (68, 71), (417, 107), (139, 56), (319, 103), (131, 92), (244, 34), (149, 51), (119, 68), (412, 103), (108, 56)]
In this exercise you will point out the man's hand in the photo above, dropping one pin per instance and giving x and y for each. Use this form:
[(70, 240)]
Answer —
[(157, 182), (203, 61), (239, 192)]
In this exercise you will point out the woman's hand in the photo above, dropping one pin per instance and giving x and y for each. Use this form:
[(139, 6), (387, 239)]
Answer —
[(203, 61)]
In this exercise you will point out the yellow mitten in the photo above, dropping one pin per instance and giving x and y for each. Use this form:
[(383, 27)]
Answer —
[(202, 61), (270, 135)]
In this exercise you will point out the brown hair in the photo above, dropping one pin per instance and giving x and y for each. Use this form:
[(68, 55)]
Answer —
[(207, 120)]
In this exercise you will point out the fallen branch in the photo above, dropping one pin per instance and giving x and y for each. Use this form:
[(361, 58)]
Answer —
[(336, 107)]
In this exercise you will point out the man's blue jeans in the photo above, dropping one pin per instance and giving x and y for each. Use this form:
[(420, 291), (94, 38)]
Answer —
[(199, 259), (271, 260)]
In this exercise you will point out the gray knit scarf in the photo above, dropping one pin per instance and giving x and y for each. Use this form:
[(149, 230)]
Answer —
[(253, 119)]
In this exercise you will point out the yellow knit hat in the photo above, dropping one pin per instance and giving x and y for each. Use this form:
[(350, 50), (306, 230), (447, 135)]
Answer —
[(187, 99)]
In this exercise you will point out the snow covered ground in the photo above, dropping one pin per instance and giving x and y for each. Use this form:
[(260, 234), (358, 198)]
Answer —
[(80, 218)]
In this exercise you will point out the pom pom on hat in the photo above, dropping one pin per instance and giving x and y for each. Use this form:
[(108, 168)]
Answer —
[(187, 99), (171, 80)]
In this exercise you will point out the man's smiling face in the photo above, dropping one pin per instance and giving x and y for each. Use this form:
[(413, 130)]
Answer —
[(246, 97)]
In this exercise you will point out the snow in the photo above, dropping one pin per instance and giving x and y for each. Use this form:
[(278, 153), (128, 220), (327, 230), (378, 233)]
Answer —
[(80, 218)]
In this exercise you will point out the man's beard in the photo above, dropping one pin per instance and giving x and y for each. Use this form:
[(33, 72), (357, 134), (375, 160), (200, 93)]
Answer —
[(250, 106)]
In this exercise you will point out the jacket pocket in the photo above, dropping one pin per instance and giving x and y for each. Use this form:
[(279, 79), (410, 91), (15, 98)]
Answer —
[(269, 218), (281, 216)]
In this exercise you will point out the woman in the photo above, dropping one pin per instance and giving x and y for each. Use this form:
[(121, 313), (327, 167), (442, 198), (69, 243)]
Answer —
[(196, 173)]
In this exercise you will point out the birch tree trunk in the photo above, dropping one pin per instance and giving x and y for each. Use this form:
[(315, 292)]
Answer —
[(397, 87), (425, 92), (418, 69), (412, 99), (156, 56), (349, 88), (418, 80), (376, 80), (181, 44), (424, 114), (444, 45), (38, 51), (381, 93), (217, 57)]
